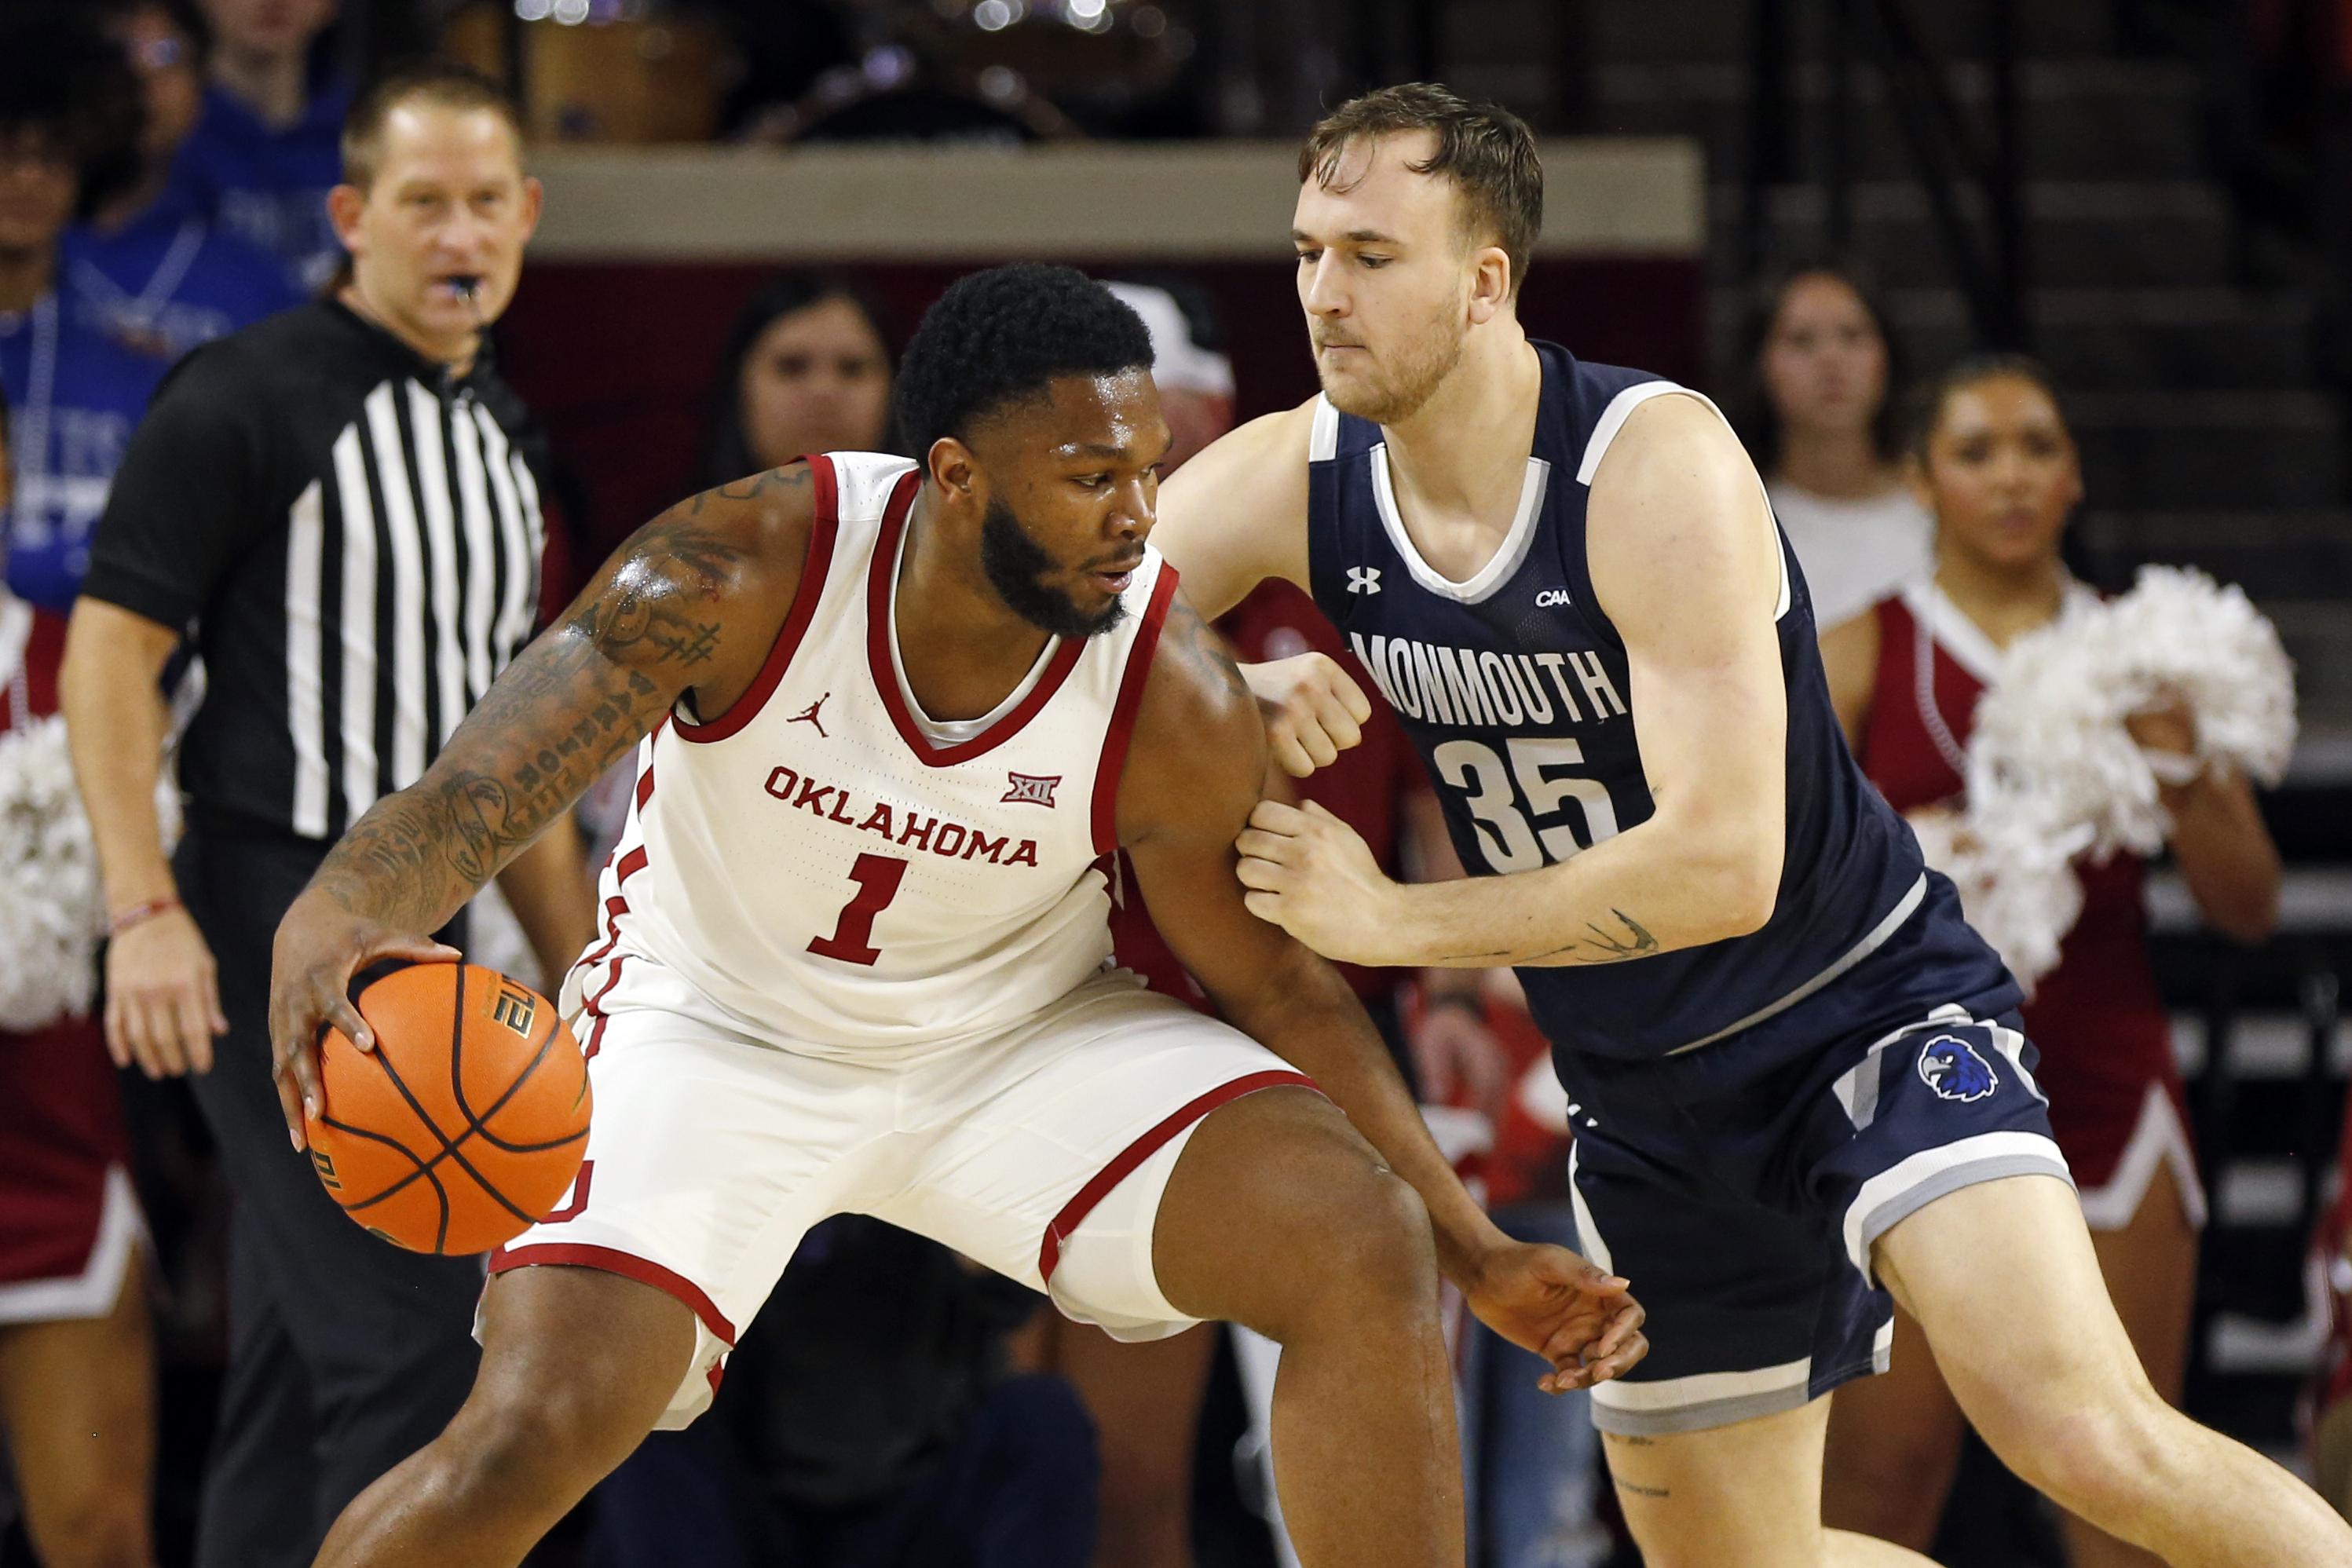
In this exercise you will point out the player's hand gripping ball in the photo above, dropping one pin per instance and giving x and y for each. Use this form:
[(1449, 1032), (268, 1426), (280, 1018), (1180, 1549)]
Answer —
[(465, 1124)]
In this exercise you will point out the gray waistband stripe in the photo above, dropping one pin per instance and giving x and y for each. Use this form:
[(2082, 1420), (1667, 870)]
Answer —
[(1905, 907)]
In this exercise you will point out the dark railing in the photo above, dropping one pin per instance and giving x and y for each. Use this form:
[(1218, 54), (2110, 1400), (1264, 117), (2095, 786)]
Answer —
[(1971, 175)]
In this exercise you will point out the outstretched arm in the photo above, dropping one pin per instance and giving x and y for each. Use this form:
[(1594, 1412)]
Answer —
[(1685, 561), (690, 605), (1191, 777)]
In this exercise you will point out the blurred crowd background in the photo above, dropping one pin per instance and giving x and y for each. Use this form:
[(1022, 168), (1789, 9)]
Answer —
[(2153, 196)]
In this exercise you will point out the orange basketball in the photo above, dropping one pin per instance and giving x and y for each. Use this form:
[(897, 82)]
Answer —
[(465, 1124)]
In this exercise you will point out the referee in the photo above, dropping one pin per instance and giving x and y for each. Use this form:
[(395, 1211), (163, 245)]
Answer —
[(333, 504)]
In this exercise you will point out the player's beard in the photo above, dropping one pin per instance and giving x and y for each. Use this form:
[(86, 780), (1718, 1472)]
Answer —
[(1016, 565), (1412, 372)]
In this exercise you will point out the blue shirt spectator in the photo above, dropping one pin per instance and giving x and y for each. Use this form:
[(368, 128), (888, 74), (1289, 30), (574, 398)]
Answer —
[(168, 278), (267, 185), (116, 298), (150, 268)]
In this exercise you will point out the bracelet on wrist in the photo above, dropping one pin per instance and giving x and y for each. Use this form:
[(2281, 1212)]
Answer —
[(122, 920), (2174, 767)]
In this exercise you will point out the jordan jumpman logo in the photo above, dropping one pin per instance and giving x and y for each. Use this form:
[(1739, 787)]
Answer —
[(810, 716)]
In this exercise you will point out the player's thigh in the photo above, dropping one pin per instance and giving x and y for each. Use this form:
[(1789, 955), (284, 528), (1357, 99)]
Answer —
[(1133, 1159), (2002, 1276), (77, 1398), (2150, 1269), (1746, 1493)]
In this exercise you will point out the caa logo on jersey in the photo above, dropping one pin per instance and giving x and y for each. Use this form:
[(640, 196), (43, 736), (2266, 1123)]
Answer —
[(1553, 599), (1951, 1067)]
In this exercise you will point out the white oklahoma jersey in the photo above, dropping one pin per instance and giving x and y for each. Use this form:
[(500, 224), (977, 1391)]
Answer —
[(834, 869), (855, 961)]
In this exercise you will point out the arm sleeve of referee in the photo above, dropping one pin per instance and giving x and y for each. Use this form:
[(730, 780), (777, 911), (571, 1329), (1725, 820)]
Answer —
[(184, 503)]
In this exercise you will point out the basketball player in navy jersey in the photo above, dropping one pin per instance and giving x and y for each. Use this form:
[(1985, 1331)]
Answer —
[(864, 969), (1797, 1079)]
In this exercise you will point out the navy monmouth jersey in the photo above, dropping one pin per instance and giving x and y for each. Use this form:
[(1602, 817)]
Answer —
[(1513, 688)]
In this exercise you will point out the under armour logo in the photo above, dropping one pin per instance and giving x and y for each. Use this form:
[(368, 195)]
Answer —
[(808, 714), (1363, 579), (1029, 790)]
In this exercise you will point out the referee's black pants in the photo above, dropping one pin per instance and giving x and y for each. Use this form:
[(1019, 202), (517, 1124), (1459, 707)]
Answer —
[(346, 1354)]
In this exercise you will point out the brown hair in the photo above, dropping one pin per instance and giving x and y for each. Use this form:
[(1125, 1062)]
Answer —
[(1928, 402), (1750, 408), (442, 83), (1487, 153)]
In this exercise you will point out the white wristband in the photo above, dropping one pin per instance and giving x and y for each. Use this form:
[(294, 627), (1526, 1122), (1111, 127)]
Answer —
[(2173, 768)]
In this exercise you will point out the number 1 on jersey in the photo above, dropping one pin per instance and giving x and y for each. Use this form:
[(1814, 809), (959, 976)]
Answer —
[(878, 878)]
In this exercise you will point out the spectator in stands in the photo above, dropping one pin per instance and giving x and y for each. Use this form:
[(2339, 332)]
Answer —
[(870, 1419), (845, 1436), (69, 119), (1819, 416), (77, 1357), (151, 268), (267, 149), (1992, 461), (805, 369)]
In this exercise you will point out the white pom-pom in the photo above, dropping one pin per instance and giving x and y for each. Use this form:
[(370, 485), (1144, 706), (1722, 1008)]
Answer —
[(51, 914), (52, 908), (2054, 773)]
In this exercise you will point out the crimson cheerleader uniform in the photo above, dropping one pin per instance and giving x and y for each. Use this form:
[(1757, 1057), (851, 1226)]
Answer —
[(2116, 1099), (68, 1219)]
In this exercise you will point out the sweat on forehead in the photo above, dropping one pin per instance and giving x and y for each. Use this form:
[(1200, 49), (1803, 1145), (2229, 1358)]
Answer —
[(1001, 338)]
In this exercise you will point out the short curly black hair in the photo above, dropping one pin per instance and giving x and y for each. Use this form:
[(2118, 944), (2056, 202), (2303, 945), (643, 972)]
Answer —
[(66, 86), (999, 336)]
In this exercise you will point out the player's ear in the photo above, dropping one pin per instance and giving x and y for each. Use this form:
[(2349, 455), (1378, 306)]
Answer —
[(1490, 283), (953, 469)]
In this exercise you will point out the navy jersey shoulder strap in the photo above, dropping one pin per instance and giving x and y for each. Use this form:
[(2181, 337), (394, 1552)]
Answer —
[(1343, 530)]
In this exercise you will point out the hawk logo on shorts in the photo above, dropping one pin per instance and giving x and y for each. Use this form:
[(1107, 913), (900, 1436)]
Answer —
[(1030, 788), (1951, 1067), (515, 1008)]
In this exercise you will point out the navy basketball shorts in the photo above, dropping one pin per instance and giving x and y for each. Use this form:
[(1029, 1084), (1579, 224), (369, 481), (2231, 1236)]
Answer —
[(1742, 1199)]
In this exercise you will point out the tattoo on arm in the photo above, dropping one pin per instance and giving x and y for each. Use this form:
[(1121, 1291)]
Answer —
[(1189, 638), (576, 699), (1607, 948), (1601, 947)]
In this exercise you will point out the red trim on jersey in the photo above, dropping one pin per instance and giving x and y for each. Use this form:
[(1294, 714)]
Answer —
[(1074, 1213), (878, 584), (629, 1265), (1121, 733), (813, 571)]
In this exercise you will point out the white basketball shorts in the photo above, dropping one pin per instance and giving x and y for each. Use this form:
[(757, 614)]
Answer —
[(1041, 1152)]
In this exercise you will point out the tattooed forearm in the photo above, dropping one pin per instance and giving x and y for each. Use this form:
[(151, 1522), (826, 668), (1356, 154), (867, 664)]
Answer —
[(1602, 946), (1606, 947), (576, 701)]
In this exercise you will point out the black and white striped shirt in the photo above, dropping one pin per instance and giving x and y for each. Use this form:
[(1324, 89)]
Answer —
[(353, 536)]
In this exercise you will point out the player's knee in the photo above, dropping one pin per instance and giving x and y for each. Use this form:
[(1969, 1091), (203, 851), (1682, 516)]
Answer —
[(1365, 1251), (2095, 1458), (530, 1441)]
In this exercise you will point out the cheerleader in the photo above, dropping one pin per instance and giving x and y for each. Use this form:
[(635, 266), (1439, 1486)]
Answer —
[(1992, 461)]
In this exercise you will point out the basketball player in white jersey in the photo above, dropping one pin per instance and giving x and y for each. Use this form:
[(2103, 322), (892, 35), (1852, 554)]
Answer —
[(1778, 1174), (853, 959)]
